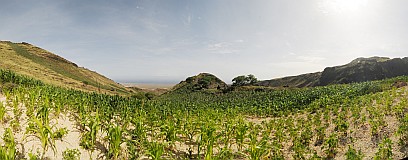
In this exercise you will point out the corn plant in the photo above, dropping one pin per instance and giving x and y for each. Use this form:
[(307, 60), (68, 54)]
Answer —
[(32, 156), (352, 154), (139, 132), (2, 111), (210, 138), (385, 150), (8, 151), (168, 128), (115, 140), (92, 126), (320, 131), (276, 151), (134, 148), (299, 148), (306, 135), (44, 132), (155, 150), (315, 157), (341, 124), (43, 114), (227, 133), (58, 104), (257, 149), (15, 125), (331, 145), (189, 131), (16, 110), (403, 130), (240, 133)]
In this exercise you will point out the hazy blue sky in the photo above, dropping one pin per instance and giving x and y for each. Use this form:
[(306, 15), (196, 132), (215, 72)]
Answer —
[(169, 40)]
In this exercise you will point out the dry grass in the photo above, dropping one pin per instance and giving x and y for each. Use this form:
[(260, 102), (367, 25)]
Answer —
[(55, 70)]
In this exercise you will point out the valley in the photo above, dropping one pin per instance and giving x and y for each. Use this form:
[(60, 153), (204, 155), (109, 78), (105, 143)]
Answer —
[(202, 118)]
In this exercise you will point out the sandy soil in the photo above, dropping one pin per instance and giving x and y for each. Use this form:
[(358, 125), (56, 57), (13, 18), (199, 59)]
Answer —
[(29, 144), (363, 140)]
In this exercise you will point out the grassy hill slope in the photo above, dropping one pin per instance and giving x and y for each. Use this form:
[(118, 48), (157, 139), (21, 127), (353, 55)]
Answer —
[(303, 80), (32, 61)]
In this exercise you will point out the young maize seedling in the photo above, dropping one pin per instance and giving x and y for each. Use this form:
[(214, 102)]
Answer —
[(331, 145), (32, 156), (210, 139), (115, 140), (385, 150), (240, 134), (8, 151), (2, 112), (352, 154), (276, 151), (139, 132), (403, 130), (155, 150), (92, 125), (258, 149), (42, 131)]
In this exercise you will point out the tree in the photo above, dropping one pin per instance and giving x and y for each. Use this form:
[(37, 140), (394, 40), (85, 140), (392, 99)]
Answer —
[(239, 81), (244, 80), (251, 79)]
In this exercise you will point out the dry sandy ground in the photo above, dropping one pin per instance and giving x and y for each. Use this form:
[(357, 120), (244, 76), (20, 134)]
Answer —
[(31, 144), (361, 134)]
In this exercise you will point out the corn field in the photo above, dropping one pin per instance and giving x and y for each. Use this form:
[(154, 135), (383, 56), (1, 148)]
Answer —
[(336, 121)]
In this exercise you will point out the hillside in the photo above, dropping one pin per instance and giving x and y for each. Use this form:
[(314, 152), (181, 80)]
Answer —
[(358, 70), (303, 80), (202, 81), (32, 61), (364, 69)]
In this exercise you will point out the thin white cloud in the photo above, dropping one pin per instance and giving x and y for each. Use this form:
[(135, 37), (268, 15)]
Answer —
[(239, 41), (187, 20), (222, 48)]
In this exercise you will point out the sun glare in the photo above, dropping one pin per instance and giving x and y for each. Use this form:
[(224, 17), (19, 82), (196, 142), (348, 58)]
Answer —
[(342, 6)]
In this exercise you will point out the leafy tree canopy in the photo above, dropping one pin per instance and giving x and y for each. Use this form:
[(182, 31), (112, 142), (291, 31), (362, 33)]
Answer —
[(244, 80)]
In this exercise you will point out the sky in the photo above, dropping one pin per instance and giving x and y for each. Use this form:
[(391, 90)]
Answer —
[(166, 41)]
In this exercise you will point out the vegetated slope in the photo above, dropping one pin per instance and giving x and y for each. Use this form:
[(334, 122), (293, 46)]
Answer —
[(359, 70), (27, 59), (202, 81), (303, 80), (365, 69)]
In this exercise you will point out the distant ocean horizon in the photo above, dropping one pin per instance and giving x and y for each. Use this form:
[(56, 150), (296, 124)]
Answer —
[(149, 85)]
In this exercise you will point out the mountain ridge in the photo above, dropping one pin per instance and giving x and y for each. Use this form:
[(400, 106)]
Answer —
[(358, 70)]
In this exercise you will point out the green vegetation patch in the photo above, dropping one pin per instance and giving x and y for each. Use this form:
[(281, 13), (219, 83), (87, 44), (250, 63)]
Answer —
[(62, 67)]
